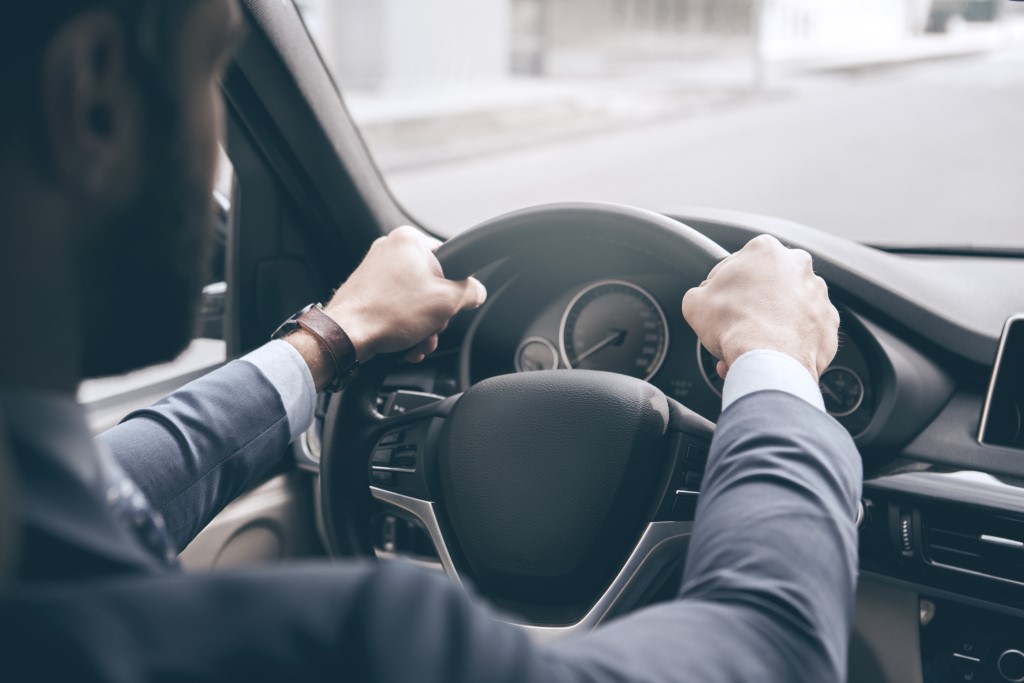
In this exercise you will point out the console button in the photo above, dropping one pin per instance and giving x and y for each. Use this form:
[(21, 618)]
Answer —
[(965, 673), (1011, 666), (965, 668)]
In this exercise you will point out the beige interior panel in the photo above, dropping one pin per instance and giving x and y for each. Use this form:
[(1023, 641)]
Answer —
[(271, 523)]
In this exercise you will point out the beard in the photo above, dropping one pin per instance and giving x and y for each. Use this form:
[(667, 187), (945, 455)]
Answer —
[(143, 269)]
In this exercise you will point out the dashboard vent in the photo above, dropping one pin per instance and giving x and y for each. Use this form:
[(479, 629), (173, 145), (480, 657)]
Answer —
[(972, 541)]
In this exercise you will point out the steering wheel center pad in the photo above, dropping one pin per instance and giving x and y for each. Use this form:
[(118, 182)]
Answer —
[(548, 479)]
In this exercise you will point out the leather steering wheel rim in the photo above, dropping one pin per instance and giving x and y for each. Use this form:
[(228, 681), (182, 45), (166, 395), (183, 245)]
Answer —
[(353, 424)]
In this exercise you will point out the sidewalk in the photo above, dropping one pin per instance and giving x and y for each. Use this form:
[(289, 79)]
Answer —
[(410, 132), (971, 39), (406, 131)]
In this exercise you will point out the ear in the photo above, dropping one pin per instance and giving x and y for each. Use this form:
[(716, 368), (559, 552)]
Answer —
[(90, 106)]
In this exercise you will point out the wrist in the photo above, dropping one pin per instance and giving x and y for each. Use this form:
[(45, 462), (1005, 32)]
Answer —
[(359, 332), (770, 370), (778, 343), (323, 344), (321, 365)]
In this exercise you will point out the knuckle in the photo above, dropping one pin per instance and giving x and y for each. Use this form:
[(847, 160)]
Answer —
[(767, 241), (801, 254), (690, 300)]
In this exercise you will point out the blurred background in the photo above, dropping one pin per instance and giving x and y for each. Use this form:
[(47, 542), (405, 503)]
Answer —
[(887, 121)]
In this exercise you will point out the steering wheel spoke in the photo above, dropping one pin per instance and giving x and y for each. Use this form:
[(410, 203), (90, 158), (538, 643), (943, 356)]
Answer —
[(425, 512)]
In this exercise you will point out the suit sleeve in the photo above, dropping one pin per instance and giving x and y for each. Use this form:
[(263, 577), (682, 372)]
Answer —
[(767, 596), (195, 451), (770, 579)]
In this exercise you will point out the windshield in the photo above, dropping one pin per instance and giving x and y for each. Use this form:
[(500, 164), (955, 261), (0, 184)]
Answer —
[(892, 122)]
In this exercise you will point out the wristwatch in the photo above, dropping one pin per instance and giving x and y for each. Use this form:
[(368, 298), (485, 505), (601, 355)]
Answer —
[(334, 340)]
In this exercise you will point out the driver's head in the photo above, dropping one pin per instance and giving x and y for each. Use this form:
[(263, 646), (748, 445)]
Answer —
[(108, 147)]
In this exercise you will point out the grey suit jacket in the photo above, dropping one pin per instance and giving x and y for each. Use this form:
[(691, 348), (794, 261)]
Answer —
[(767, 594)]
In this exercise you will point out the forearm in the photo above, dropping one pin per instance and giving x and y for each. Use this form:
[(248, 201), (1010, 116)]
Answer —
[(775, 527), (202, 446), (771, 569)]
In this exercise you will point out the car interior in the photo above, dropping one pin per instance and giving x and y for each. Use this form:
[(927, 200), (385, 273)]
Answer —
[(926, 380)]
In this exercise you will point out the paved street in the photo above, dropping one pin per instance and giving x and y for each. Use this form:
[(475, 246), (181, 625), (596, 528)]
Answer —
[(931, 152)]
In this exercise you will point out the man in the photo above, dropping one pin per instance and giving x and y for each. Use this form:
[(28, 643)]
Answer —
[(105, 175)]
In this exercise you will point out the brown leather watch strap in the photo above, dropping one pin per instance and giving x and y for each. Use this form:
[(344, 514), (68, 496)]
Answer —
[(334, 341)]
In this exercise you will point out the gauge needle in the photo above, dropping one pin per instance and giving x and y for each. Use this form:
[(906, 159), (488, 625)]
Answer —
[(616, 337), (826, 390)]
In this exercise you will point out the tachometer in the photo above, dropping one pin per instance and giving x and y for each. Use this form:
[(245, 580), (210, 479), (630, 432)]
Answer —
[(614, 326), (842, 389)]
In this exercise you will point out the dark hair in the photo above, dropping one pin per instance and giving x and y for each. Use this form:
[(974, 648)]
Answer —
[(152, 29)]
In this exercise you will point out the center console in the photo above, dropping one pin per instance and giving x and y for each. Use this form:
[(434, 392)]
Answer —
[(961, 643)]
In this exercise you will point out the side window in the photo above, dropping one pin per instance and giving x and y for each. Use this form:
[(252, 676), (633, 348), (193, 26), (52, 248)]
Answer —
[(213, 305), (107, 400)]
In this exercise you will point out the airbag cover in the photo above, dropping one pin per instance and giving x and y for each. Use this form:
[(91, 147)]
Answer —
[(549, 477)]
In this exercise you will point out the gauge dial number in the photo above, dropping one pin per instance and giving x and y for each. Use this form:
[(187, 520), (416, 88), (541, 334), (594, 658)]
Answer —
[(843, 391), (614, 326), (536, 353)]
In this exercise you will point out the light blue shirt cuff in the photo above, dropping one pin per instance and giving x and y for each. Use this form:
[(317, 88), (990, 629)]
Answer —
[(283, 365), (768, 370)]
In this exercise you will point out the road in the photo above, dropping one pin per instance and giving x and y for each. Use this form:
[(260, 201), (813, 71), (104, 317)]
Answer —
[(928, 153)]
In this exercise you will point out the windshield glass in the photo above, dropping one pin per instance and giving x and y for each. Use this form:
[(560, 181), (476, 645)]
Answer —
[(893, 122)]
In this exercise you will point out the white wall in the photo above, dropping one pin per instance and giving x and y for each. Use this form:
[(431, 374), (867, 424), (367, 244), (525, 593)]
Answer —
[(794, 28), (413, 44)]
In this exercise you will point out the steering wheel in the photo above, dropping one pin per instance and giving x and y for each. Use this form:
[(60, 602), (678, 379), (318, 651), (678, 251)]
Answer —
[(561, 494)]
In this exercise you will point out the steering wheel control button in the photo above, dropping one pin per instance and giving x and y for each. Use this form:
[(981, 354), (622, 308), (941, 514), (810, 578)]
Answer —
[(404, 456), (684, 507), (402, 401), (691, 481), (381, 457), (392, 439), (696, 455), (1011, 666), (382, 478)]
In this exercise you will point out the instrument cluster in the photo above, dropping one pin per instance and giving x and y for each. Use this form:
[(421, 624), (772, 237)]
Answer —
[(632, 324)]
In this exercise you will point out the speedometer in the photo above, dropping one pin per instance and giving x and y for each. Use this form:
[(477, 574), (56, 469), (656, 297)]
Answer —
[(614, 326)]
